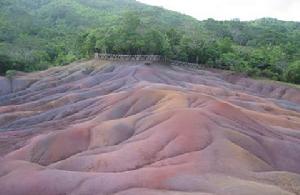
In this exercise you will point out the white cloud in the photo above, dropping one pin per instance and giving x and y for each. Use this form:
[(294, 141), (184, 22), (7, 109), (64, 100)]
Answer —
[(229, 9)]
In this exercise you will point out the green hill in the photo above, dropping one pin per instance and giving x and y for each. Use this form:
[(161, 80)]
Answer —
[(36, 34)]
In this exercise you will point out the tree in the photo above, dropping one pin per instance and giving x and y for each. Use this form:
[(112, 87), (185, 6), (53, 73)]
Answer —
[(292, 73), (10, 74), (36, 34), (157, 43)]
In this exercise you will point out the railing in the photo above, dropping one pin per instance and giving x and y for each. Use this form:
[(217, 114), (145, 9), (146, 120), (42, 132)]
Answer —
[(116, 57), (147, 58)]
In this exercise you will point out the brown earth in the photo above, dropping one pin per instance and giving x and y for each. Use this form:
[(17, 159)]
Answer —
[(128, 129)]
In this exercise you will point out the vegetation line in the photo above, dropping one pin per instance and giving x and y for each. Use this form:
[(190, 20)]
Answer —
[(35, 35)]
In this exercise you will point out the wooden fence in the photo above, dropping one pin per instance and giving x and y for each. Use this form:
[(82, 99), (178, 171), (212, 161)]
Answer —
[(116, 57), (146, 58)]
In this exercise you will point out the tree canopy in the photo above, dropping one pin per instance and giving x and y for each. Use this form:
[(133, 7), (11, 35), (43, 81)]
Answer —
[(36, 34)]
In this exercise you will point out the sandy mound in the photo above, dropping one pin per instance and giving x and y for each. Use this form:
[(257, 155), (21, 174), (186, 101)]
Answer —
[(127, 128)]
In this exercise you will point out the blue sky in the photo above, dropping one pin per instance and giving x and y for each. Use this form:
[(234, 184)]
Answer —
[(230, 9)]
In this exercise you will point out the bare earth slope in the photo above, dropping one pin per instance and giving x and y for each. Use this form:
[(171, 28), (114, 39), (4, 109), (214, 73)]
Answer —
[(129, 129)]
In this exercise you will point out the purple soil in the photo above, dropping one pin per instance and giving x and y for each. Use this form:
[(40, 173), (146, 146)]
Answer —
[(128, 129)]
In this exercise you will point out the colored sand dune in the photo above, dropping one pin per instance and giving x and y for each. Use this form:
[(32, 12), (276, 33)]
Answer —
[(129, 129)]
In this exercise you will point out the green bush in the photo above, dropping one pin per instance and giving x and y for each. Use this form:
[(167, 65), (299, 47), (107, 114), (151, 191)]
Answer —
[(253, 72), (292, 73), (269, 74), (10, 74)]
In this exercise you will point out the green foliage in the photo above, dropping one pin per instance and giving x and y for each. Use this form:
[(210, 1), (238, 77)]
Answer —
[(10, 73), (293, 72), (36, 34), (6, 63)]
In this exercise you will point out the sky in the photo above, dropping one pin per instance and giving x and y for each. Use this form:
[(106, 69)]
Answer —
[(288, 10)]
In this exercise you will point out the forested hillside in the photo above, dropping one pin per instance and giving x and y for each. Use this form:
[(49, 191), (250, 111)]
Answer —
[(36, 34)]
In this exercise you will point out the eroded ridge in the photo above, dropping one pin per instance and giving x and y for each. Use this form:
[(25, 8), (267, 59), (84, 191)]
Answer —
[(127, 128)]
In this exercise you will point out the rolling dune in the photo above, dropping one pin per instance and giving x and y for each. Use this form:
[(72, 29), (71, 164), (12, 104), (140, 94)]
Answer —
[(125, 128)]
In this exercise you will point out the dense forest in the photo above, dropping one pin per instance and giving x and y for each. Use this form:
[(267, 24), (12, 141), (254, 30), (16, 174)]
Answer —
[(37, 34)]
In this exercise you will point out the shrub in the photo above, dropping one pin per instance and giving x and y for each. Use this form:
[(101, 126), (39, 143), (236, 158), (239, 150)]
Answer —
[(10, 74), (292, 74)]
